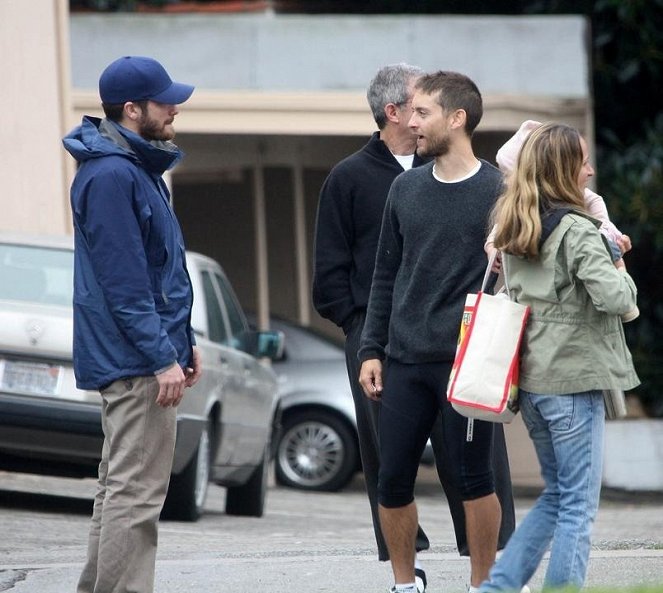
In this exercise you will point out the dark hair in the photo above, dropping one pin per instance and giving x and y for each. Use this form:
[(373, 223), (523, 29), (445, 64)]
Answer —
[(390, 85), (115, 111), (454, 91)]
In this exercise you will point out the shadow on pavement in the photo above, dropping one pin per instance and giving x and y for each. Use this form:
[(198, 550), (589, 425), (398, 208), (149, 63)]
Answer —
[(48, 503)]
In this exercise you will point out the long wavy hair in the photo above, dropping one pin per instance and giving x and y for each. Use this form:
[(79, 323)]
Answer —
[(545, 177)]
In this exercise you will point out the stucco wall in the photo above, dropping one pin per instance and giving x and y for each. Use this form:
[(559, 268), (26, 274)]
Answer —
[(538, 56), (34, 110)]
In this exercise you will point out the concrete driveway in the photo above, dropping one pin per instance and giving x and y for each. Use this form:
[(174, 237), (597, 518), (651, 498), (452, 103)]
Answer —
[(305, 542)]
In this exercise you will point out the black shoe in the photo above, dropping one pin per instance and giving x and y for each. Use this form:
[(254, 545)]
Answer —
[(420, 579)]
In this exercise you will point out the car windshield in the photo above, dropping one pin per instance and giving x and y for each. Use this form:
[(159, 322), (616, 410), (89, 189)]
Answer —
[(36, 274)]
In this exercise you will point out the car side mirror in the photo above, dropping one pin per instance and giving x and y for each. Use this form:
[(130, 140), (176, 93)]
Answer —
[(270, 344), (265, 344)]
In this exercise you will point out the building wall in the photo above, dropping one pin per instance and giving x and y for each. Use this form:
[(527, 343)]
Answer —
[(531, 56), (35, 112), (279, 97)]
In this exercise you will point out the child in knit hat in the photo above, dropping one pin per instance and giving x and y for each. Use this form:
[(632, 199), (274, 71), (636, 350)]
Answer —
[(619, 243)]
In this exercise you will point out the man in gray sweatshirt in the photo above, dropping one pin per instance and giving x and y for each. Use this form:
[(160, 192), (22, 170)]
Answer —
[(430, 255)]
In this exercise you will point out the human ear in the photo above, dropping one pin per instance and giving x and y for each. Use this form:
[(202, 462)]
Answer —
[(458, 118), (391, 111), (132, 111)]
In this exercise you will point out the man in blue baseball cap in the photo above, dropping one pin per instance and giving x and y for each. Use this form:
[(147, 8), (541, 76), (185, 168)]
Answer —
[(134, 78), (133, 340)]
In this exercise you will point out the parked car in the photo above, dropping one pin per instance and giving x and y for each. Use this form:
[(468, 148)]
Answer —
[(225, 422), (317, 448)]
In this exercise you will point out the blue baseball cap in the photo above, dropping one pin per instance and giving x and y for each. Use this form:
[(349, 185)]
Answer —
[(135, 78)]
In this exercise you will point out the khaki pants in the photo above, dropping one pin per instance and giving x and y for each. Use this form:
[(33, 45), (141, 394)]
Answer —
[(134, 471)]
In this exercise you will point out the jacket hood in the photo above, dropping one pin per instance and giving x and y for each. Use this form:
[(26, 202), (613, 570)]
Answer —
[(96, 138)]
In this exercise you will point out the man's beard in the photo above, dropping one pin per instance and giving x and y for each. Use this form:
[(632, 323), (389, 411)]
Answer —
[(437, 147), (150, 129)]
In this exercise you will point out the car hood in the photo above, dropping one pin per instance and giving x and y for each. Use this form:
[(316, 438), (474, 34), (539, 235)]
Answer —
[(38, 330), (315, 382)]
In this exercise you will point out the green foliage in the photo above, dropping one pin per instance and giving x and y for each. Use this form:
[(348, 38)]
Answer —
[(628, 76), (639, 589), (635, 172), (627, 68), (632, 175)]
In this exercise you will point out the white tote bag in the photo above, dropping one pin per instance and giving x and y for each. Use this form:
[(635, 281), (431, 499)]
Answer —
[(484, 378)]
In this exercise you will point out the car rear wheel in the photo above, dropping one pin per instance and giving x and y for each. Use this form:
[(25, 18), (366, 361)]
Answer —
[(248, 500), (187, 491), (317, 451)]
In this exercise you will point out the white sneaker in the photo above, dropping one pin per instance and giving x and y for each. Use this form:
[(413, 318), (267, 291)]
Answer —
[(393, 590)]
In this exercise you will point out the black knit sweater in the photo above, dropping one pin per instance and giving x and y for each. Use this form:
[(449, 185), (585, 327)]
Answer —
[(348, 223), (430, 255)]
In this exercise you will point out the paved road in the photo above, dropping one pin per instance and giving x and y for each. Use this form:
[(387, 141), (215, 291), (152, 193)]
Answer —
[(305, 542)]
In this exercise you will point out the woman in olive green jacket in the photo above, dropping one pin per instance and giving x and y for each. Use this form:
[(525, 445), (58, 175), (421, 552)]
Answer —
[(556, 262)]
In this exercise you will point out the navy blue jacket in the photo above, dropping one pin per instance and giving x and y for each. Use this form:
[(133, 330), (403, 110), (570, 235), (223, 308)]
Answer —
[(132, 291)]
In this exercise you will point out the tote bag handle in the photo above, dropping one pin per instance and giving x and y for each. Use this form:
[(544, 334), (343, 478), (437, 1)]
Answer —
[(501, 276)]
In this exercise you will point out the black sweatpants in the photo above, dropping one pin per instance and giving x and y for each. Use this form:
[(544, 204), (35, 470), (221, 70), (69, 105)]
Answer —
[(413, 399), (368, 411)]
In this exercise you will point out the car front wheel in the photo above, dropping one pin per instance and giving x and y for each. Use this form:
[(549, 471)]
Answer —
[(188, 490), (248, 500), (317, 451)]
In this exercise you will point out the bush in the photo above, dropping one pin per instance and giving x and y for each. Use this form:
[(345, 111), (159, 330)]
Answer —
[(633, 180)]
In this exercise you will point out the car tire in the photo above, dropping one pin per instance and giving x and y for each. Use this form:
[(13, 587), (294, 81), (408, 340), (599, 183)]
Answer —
[(317, 451), (187, 491), (248, 500)]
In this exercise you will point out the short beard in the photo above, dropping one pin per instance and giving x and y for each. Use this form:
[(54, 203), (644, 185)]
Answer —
[(439, 147), (150, 130)]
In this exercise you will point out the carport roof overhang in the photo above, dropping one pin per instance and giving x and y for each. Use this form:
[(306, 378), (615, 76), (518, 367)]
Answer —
[(330, 113)]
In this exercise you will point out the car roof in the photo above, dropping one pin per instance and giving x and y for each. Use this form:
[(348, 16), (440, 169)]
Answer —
[(37, 240), (65, 242)]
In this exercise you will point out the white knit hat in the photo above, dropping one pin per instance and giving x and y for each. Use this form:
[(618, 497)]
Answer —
[(507, 156)]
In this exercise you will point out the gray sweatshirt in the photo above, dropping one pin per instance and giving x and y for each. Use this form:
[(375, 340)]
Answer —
[(430, 255)]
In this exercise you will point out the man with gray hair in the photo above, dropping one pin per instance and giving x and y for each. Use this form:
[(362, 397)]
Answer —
[(349, 218)]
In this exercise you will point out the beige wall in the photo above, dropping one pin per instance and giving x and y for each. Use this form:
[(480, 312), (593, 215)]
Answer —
[(35, 87)]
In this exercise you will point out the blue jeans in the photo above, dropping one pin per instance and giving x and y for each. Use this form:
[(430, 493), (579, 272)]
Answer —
[(567, 432)]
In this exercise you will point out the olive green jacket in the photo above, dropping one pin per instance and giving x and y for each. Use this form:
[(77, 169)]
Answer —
[(574, 340)]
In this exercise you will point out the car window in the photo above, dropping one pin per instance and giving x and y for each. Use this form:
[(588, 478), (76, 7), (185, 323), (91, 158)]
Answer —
[(216, 325), (36, 274), (236, 319)]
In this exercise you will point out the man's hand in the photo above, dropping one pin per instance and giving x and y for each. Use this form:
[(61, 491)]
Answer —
[(171, 386), (370, 378), (193, 372)]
